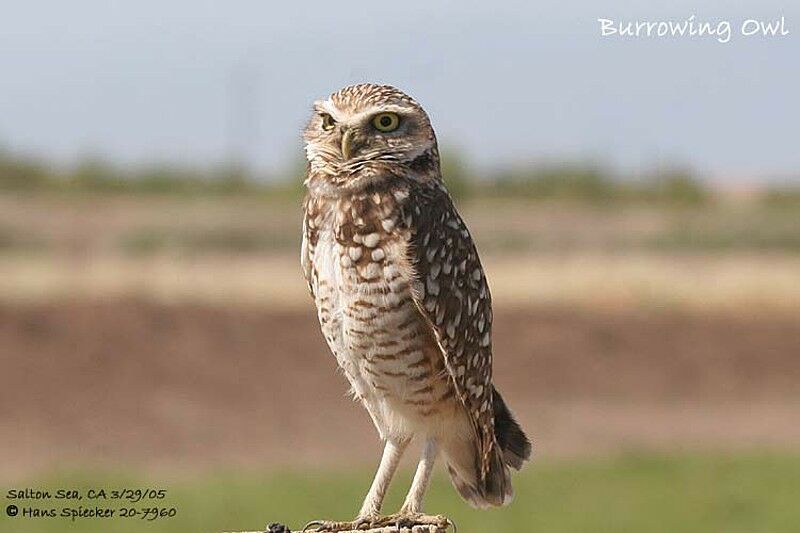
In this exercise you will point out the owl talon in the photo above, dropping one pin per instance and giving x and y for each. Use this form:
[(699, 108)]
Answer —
[(327, 526)]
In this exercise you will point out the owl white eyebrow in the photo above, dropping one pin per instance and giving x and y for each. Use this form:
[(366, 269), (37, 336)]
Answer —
[(321, 107), (328, 107)]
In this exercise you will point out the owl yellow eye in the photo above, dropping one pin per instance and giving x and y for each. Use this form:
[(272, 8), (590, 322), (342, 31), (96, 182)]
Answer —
[(327, 122), (386, 122)]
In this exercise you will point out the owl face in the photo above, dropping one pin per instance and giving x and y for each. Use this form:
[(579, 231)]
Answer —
[(361, 129)]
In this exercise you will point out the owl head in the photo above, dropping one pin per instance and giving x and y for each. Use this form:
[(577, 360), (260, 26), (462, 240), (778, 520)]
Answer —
[(362, 132)]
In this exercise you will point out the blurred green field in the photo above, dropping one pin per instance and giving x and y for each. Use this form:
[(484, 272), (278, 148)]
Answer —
[(636, 493)]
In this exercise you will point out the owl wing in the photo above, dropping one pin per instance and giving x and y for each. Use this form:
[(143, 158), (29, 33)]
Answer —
[(451, 292)]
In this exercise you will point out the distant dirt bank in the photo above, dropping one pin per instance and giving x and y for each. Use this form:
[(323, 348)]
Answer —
[(198, 386)]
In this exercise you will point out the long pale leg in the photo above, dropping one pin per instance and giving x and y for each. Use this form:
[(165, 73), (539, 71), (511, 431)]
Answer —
[(410, 514), (422, 478), (392, 452), (368, 515)]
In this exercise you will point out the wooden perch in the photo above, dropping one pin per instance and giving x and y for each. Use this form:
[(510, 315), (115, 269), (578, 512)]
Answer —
[(390, 529)]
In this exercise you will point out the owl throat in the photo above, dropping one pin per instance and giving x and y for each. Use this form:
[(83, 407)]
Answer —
[(334, 178)]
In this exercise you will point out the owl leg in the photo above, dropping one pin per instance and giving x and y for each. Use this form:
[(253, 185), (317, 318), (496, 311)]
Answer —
[(422, 478), (410, 514), (392, 452), (369, 515)]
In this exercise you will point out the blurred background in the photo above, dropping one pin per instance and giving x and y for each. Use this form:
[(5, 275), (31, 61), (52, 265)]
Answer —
[(636, 203)]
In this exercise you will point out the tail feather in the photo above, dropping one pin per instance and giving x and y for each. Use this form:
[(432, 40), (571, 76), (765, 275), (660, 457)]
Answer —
[(467, 488), (497, 489), (462, 458), (510, 437)]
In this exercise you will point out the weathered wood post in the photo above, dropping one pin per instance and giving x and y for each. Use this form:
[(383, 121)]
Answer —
[(390, 529)]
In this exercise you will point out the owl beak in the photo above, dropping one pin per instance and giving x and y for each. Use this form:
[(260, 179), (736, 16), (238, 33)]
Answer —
[(347, 144)]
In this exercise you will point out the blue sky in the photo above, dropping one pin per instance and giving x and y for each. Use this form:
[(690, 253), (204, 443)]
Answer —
[(194, 81)]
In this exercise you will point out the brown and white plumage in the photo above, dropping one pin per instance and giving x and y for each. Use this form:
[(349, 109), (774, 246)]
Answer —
[(401, 295)]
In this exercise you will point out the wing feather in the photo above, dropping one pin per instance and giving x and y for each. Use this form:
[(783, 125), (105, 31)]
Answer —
[(451, 292)]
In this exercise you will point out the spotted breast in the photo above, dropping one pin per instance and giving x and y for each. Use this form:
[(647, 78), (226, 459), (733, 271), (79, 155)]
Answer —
[(357, 250)]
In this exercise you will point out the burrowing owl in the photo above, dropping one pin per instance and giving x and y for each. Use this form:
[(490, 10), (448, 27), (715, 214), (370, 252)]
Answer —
[(403, 300)]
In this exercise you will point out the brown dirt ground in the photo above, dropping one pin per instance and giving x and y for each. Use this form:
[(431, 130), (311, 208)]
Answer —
[(185, 385)]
